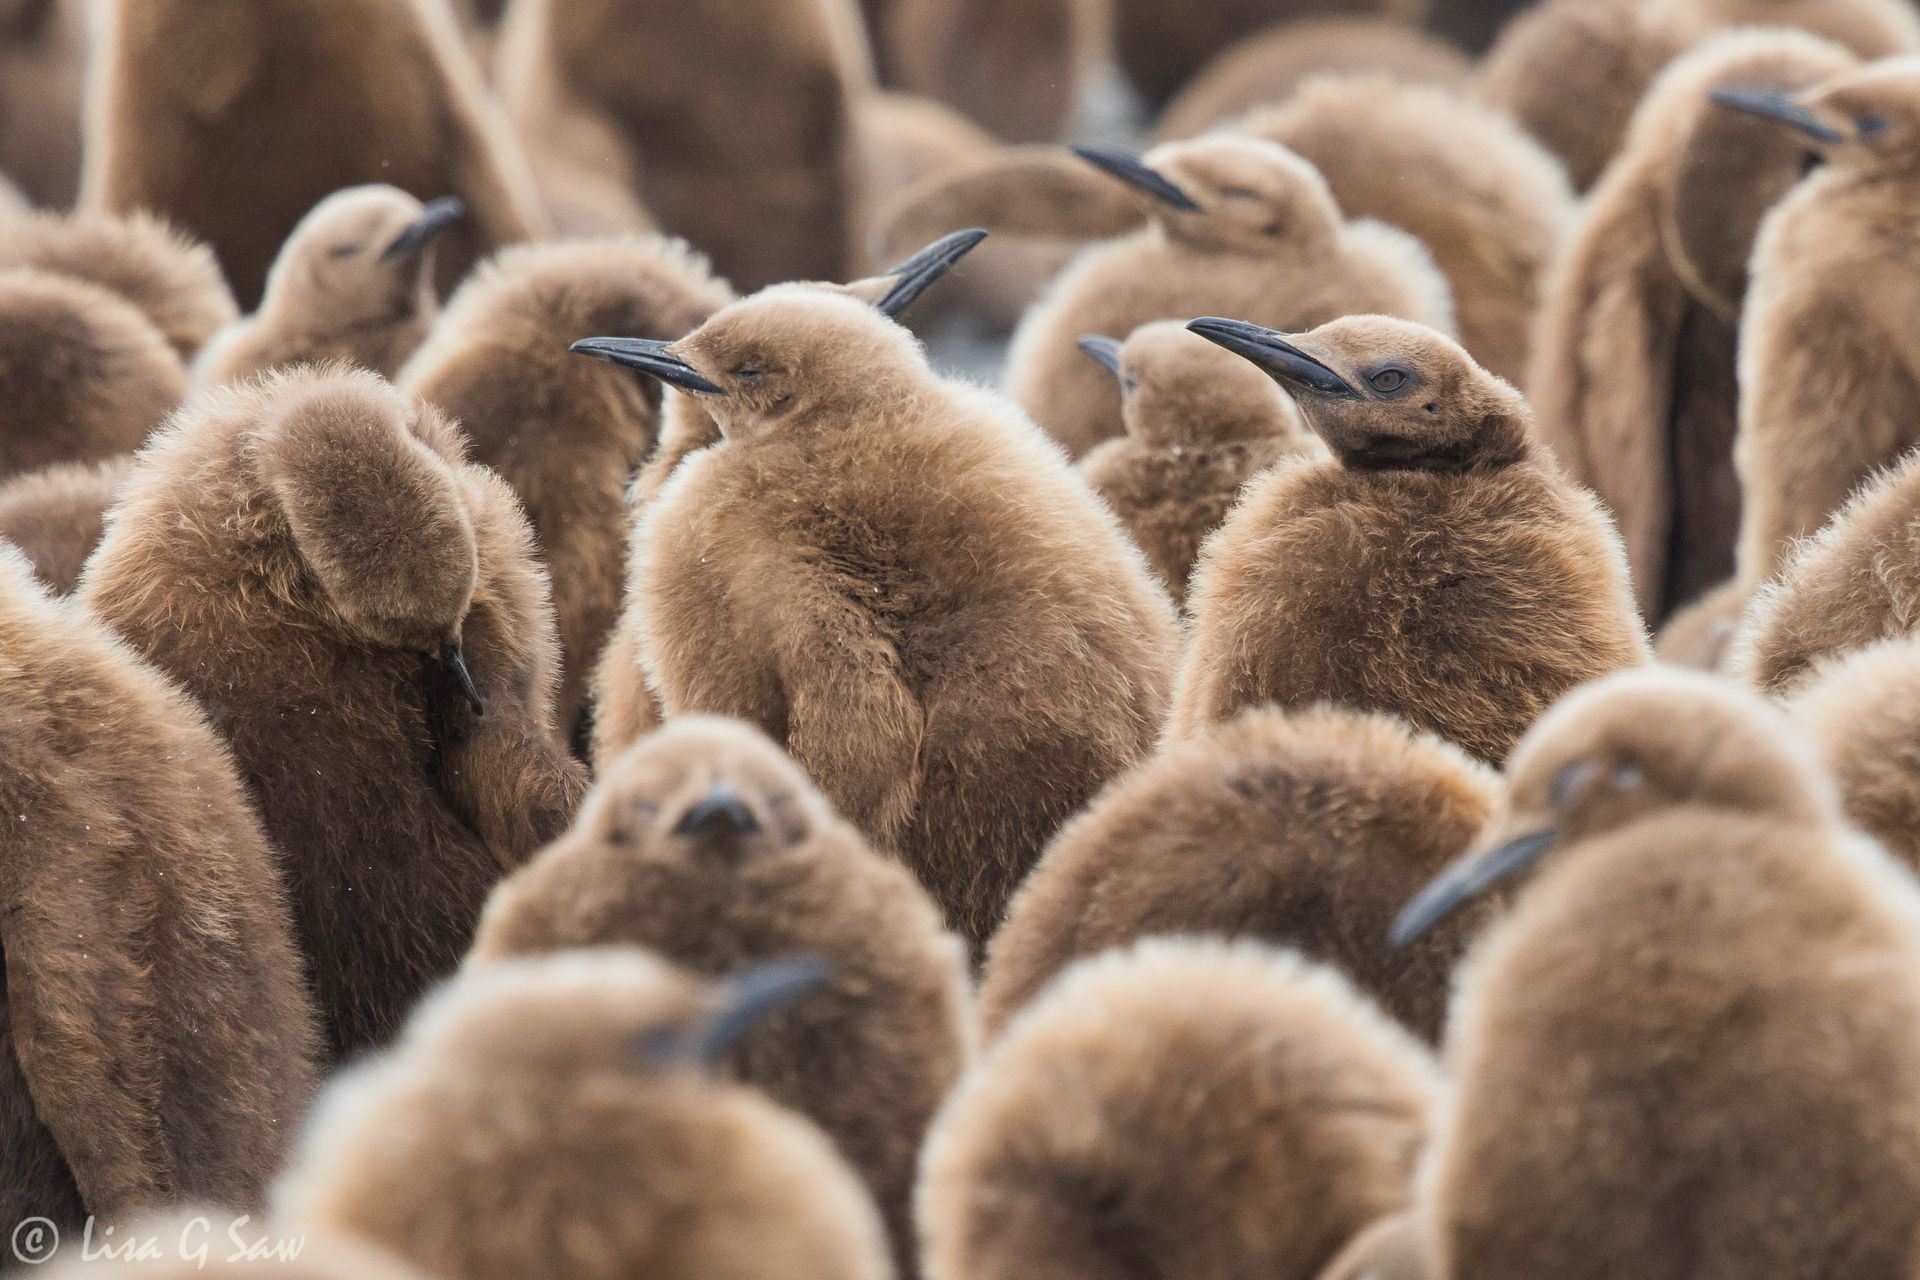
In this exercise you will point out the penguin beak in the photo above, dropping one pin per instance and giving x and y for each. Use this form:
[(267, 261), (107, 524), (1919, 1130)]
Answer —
[(912, 277), (1281, 360), (1133, 171), (1105, 352), (721, 808), (434, 219), (456, 663), (752, 997), (1466, 880), (649, 356), (1776, 104)]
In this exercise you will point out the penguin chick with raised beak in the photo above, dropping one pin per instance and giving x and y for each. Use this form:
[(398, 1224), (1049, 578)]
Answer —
[(1691, 1049), (354, 282), (706, 845), (359, 609), (1439, 567), (899, 580), (561, 1116)]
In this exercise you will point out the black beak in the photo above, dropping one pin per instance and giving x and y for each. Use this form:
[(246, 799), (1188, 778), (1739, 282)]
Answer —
[(752, 998), (914, 275), (720, 808), (1776, 104), (1129, 168), (1106, 351), (649, 356), (1281, 360), (456, 662), (435, 218), (1467, 880)]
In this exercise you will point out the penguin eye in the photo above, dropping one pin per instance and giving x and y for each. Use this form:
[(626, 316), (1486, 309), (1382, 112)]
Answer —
[(1239, 193), (343, 251), (1387, 380), (749, 373), (1129, 383), (1870, 126)]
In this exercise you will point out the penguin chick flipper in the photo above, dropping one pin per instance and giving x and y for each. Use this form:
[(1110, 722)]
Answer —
[(872, 775), (512, 782)]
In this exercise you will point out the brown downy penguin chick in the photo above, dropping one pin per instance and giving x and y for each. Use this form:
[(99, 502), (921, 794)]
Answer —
[(1701, 636), (1692, 1046), (671, 95), (1861, 713), (1827, 364), (1192, 1107), (1201, 422), (1018, 67), (292, 100), (561, 1117), (361, 613), (938, 620), (1269, 67), (566, 433), (1237, 226), (705, 845), (1633, 375), (1161, 47), (1306, 829), (43, 57), (56, 516), (1439, 567), (354, 282), (156, 1039), (1393, 1248)]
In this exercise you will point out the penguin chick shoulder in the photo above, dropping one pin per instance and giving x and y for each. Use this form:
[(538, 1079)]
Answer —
[(1439, 567), (1861, 712)]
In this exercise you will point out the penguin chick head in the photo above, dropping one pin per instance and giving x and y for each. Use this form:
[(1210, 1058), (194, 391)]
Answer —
[(361, 257), (1179, 390), (1625, 748), (1228, 193), (1387, 394), (375, 509), (1866, 118)]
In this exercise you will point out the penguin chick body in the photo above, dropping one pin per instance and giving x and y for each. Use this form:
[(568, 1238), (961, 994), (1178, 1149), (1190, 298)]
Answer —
[(56, 516)]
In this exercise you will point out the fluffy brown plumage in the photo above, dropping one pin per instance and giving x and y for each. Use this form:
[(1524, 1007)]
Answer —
[(705, 845), (1161, 46), (1861, 713), (290, 101), (43, 56), (1019, 67), (566, 433), (1692, 1048), (310, 555), (1439, 567), (56, 516), (157, 1040), (1196, 1108), (554, 1117), (1304, 829), (1633, 377), (1391, 1249)]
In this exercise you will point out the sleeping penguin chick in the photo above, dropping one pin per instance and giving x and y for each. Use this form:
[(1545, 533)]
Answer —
[(1236, 226), (1861, 713), (354, 282), (561, 1117), (899, 580), (1827, 358), (1633, 376), (156, 1039), (1692, 1046), (360, 612), (287, 102), (56, 516), (566, 433), (1306, 829), (1191, 1107), (705, 845), (1200, 424), (1439, 567)]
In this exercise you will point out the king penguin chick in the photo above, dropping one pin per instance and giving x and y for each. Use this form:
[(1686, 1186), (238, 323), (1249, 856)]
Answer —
[(56, 516), (705, 845), (1861, 712), (1019, 67), (1191, 1107), (156, 1039), (1439, 567), (1827, 368), (1304, 829), (289, 101), (360, 612), (935, 616), (1237, 226), (1200, 424), (560, 1117), (1692, 1046), (43, 58), (566, 433), (1633, 376), (354, 282)]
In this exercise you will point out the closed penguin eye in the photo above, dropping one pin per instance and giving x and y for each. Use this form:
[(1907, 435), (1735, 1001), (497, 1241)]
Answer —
[(343, 251), (748, 372), (1388, 380)]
